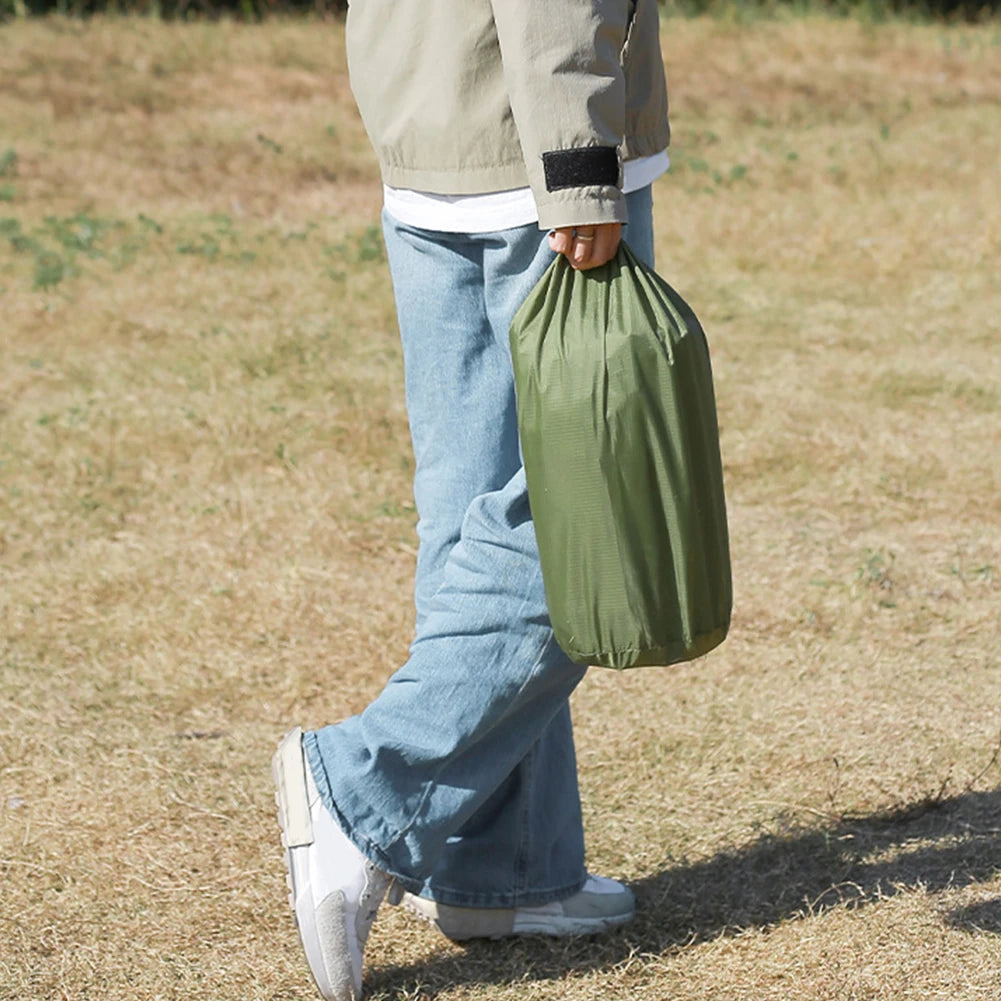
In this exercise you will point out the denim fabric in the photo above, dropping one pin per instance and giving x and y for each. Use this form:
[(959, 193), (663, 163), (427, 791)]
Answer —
[(460, 778)]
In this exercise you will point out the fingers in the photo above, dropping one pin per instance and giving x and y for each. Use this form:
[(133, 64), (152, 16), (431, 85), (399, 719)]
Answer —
[(606, 243), (587, 246), (560, 240)]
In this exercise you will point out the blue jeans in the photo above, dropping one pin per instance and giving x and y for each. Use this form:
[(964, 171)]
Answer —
[(460, 778)]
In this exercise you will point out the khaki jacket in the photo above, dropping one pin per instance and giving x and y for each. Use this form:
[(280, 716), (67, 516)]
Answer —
[(470, 96)]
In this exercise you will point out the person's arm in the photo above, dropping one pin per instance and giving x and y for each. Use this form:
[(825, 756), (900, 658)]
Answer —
[(568, 95)]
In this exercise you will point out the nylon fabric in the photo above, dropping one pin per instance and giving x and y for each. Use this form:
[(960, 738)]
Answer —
[(617, 419)]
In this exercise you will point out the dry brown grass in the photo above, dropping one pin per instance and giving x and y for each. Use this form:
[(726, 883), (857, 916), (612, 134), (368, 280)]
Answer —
[(206, 528)]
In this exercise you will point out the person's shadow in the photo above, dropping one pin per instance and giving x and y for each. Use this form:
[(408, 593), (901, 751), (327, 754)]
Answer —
[(932, 845)]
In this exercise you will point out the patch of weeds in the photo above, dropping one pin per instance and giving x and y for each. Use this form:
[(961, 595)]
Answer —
[(50, 269), (983, 399), (218, 240), (55, 248), (875, 573), (125, 253), (87, 502), (55, 245), (695, 164), (20, 242), (77, 416), (8, 163), (370, 245), (269, 143), (837, 174), (711, 177), (395, 509), (81, 233), (982, 573), (150, 224), (899, 390), (286, 354), (204, 246), (364, 247), (299, 234), (73, 417), (7, 192), (876, 568)]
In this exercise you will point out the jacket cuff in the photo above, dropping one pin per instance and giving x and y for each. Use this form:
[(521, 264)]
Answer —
[(581, 206)]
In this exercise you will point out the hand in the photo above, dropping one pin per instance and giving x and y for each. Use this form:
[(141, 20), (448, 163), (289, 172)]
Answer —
[(587, 246)]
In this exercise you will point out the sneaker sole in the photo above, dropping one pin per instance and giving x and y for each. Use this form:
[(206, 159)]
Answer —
[(459, 924), (492, 923)]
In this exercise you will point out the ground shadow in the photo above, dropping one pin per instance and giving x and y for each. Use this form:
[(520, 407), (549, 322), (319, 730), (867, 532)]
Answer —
[(932, 845), (983, 916)]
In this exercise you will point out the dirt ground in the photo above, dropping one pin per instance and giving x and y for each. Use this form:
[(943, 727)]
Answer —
[(207, 530)]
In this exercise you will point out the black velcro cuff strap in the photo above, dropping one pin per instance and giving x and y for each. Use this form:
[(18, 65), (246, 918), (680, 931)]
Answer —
[(581, 167)]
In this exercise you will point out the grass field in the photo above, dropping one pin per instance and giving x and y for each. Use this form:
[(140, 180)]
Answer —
[(206, 527)]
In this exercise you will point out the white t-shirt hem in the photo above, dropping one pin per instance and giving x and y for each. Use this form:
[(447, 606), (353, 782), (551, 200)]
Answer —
[(496, 210)]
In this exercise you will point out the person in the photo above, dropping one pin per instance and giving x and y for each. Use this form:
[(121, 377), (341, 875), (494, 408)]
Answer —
[(507, 131)]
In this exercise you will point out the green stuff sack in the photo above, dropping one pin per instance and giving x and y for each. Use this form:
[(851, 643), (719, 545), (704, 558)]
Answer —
[(617, 418)]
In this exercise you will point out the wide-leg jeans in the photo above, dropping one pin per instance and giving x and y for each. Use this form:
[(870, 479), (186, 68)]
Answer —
[(460, 778)]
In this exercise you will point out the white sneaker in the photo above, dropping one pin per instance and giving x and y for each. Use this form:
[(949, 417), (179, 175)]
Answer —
[(602, 903), (335, 889)]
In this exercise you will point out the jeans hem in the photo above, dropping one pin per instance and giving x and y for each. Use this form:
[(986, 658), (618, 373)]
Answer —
[(371, 851), (526, 898)]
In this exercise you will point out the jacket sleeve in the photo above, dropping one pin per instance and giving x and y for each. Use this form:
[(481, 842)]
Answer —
[(567, 91)]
